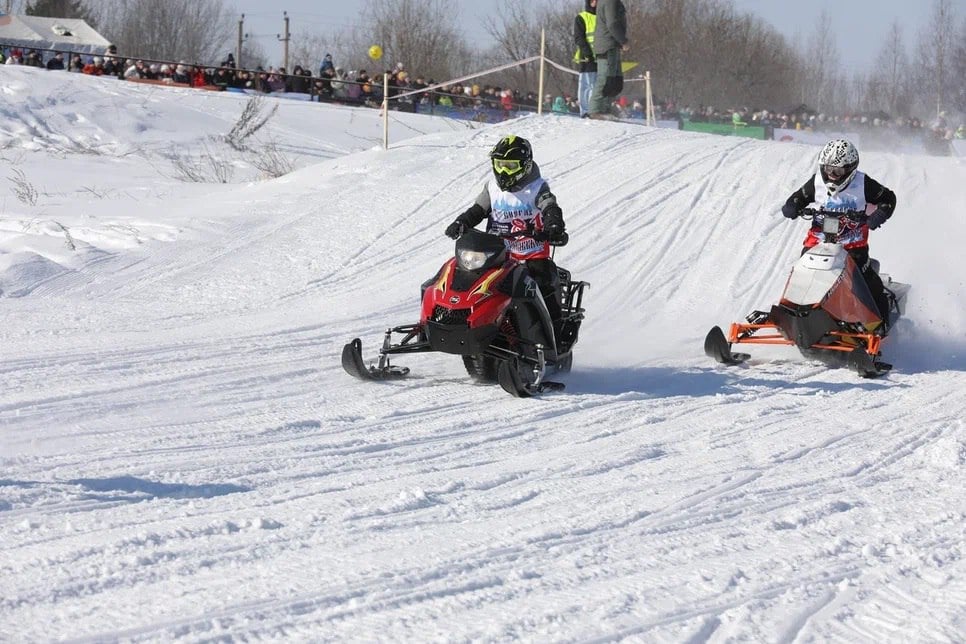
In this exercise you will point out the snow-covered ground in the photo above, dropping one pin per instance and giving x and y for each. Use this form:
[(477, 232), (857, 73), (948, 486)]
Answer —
[(183, 458)]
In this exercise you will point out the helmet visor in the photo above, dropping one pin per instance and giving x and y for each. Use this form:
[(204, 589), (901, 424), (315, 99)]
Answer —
[(506, 166), (834, 171)]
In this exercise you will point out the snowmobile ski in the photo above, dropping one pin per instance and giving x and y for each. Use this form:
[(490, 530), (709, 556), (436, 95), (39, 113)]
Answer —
[(863, 364), (511, 378), (356, 367), (716, 346)]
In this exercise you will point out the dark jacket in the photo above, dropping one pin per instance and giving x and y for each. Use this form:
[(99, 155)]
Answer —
[(611, 26), (587, 61), (876, 194)]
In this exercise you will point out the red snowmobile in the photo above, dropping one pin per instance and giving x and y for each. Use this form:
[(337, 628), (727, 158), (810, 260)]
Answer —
[(826, 310), (482, 305)]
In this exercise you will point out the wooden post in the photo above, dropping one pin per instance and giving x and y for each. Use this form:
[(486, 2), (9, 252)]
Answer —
[(543, 47), (385, 111), (650, 119), (287, 38), (241, 38)]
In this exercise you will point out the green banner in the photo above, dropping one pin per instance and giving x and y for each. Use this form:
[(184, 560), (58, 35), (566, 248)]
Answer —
[(727, 129)]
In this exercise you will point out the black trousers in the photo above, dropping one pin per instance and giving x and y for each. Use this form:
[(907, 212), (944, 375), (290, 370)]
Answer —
[(872, 279), (544, 273)]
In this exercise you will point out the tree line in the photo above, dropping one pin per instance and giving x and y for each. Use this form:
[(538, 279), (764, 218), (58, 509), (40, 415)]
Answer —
[(698, 51)]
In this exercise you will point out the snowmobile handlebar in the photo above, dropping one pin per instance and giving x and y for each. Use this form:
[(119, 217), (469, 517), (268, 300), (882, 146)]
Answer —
[(540, 235), (853, 215)]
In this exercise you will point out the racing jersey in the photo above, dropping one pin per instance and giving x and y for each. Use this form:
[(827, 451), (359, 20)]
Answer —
[(862, 193), (513, 211)]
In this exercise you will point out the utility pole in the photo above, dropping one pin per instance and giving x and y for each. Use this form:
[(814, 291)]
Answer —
[(241, 37), (285, 40)]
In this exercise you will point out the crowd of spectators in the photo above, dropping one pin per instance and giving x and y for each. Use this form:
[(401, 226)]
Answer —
[(801, 117), (333, 83)]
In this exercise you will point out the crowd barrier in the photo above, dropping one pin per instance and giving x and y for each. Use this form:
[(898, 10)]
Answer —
[(727, 129)]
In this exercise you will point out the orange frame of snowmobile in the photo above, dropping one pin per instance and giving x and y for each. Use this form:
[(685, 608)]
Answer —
[(870, 340)]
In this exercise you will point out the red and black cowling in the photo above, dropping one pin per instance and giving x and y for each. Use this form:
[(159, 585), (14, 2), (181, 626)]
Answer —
[(464, 305)]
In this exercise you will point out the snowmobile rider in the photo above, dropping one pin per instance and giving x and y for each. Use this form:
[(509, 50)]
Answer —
[(838, 185), (516, 198)]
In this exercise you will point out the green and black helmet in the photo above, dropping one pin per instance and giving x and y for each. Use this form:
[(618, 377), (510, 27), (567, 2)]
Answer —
[(512, 160)]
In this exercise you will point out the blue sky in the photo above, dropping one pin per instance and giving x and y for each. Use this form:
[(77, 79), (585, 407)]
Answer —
[(860, 25)]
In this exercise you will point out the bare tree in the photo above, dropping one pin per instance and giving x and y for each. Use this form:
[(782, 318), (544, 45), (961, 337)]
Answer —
[(820, 57), (935, 53), (253, 55), (959, 71), (516, 35), (13, 6), (193, 30), (516, 30), (308, 49), (59, 9), (888, 83), (666, 35), (424, 35)]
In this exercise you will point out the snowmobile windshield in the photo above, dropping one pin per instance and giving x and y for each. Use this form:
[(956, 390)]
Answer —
[(476, 251)]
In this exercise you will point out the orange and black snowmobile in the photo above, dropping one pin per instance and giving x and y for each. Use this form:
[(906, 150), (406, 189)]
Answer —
[(827, 310)]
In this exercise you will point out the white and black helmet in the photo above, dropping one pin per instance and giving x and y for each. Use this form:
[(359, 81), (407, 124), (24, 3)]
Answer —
[(838, 162)]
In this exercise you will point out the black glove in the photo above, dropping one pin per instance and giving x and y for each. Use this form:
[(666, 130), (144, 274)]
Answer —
[(791, 211), (455, 229), (553, 223), (877, 218)]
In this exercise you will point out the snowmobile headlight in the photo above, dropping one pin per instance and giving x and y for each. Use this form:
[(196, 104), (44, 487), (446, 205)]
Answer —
[(471, 260)]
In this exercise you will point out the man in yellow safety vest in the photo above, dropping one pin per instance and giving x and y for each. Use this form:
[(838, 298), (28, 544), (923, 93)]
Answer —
[(584, 27)]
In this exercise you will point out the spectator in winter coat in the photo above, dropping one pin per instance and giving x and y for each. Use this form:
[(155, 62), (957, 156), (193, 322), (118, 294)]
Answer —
[(584, 27), (261, 82), (276, 83), (198, 77), (323, 85), (296, 82), (610, 39), (33, 59), (222, 78), (56, 63), (110, 66), (135, 71), (95, 67), (506, 101), (326, 64), (339, 84), (353, 89), (182, 74)]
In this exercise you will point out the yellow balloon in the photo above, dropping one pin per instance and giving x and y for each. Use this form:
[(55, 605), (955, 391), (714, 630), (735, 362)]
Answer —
[(375, 52)]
